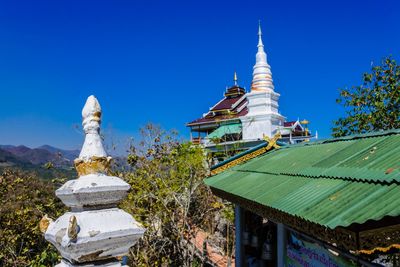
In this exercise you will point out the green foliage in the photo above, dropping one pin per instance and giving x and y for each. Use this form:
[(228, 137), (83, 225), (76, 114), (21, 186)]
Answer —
[(48, 165), (44, 173), (228, 212), (168, 197), (25, 199), (374, 105)]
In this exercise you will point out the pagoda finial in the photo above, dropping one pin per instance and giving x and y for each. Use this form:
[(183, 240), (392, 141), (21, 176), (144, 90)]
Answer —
[(91, 119), (260, 43), (262, 76), (93, 158), (235, 79)]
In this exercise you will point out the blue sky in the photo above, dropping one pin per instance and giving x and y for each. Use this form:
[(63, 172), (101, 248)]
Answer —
[(167, 62)]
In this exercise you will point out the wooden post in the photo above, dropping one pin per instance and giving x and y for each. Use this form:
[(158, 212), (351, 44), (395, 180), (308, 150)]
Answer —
[(281, 245), (238, 235)]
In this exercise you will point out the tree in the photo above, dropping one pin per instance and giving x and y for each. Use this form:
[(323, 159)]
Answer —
[(373, 105), (168, 197), (25, 199)]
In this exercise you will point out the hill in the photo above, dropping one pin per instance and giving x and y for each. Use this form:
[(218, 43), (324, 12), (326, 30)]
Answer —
[(67, 154), (34, 159), (40, 155), (7, 158)]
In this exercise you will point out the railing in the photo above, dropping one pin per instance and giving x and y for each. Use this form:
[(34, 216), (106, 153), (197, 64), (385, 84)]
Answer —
[(197, 140)]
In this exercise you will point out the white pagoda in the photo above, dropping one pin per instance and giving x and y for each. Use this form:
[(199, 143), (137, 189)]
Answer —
[(242, 120), (263, 118), (95, 232)]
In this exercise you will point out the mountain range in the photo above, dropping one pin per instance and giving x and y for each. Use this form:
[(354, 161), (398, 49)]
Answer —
[(36, 159), (16, 155)]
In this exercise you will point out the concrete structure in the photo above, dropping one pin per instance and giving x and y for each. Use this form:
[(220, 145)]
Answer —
[(263, 118), (95, 231)]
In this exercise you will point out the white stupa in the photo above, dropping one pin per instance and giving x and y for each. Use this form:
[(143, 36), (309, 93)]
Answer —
[(263, 118), (95, 231)]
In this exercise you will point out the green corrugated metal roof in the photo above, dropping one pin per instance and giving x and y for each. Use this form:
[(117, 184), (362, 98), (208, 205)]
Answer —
[(237, 156), (226, 129), (334, 183)]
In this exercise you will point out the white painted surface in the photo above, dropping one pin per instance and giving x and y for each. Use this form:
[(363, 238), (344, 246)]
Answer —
[(93, 145), (262, 76), (108, 232), (102, 233), (91, 190), (263, 118)]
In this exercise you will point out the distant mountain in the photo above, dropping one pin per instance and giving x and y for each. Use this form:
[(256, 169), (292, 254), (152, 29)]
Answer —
[(34, 159), (9, 159), (42, 155), (16, 150), (68, 154)]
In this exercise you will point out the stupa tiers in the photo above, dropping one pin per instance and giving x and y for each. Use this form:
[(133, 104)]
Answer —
[(263, 118), (242, 120), (95, 231)]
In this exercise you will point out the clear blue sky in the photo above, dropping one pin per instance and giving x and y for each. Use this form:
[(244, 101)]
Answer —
[(167, 61)]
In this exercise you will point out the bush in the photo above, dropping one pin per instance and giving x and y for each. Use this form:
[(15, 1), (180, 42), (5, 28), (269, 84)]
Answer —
[(25, 199), (168, 197)]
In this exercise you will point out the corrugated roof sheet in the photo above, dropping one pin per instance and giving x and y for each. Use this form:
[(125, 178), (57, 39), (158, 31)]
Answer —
[(234, 128), (334, 183)]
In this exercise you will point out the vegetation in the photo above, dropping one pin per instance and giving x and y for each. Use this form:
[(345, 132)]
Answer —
[(25, 199), (168, 197), (373, 105), (46, 171)]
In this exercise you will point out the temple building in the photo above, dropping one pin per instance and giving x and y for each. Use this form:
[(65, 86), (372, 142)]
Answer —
[(242, 120)]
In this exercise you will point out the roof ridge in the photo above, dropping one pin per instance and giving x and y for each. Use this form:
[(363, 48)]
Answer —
[(351, 179), (261, 149), (345, 138), (251, 153), (363, 135)]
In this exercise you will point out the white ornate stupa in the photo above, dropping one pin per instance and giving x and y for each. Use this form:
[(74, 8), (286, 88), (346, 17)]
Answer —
[(263, 118), (95, 231)]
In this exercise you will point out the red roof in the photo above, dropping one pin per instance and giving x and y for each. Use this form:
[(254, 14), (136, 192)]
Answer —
[(230, 107), (289, 123), (226, 103), (208, 119), (224, 111)]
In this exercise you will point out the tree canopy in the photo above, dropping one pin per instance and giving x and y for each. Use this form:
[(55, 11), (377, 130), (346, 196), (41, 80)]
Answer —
[(374, 105)]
